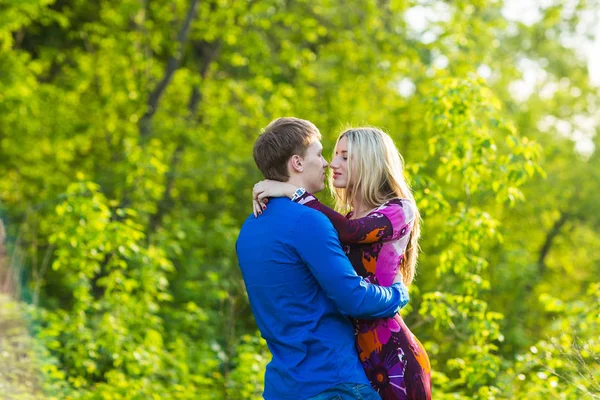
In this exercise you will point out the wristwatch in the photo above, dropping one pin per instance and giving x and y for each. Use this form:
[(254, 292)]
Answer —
[(298, 193)]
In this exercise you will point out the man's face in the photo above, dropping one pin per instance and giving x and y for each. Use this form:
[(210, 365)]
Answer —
[(313, 174)]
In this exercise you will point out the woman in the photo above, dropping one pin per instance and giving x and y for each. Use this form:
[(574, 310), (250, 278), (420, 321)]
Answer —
[(379, 235)]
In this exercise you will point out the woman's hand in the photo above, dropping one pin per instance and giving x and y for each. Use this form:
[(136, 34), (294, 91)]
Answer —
[(269, 188), (258, 207)]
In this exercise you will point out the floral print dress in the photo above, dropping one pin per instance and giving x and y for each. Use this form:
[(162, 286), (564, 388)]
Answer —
[(393, 358)]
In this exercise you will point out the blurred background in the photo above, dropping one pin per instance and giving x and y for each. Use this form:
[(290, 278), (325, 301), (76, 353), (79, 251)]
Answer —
[(126, 130)]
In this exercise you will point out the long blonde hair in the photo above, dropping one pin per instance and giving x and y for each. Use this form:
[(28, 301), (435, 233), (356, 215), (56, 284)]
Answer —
[(379, 169)]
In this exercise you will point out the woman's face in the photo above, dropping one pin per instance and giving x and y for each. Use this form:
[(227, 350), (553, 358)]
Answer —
[(339, 164)]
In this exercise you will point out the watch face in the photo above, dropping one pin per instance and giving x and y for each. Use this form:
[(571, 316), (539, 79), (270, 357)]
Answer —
[(298, 193)]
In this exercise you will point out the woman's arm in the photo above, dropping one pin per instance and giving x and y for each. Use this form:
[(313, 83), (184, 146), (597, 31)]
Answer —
[(269, 188), (392, 221)]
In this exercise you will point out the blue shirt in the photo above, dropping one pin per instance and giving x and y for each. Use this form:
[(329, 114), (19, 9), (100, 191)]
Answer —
[(300, 284)]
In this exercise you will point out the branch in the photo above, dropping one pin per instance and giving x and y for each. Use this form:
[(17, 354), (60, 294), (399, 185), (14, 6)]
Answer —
[(545, 250), (564, 217), (161, 208), (208, 53), (172, 66)]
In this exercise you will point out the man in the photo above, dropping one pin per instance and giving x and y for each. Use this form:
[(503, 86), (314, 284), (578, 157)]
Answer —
[(300, 283)]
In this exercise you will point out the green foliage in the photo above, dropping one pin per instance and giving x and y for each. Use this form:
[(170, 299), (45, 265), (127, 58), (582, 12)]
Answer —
[(565, 364), (246, 380), (125, 151), (112, 342), (463, 123)]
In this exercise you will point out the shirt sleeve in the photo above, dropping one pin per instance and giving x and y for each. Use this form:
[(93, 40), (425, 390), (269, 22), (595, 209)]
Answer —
[(391, 221), (317, 244)]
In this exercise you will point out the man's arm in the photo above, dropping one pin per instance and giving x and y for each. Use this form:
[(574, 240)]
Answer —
[(317, 244)]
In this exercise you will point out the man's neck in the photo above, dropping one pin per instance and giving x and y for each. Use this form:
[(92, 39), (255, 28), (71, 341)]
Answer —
[(297, 181)]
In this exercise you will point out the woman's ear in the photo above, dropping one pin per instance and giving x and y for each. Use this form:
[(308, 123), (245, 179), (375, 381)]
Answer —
[(296, 163)]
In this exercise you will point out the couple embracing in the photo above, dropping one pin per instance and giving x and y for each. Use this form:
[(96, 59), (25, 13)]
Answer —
[(326, 288)]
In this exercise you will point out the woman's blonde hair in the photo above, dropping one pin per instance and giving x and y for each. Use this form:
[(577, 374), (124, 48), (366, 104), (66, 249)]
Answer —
[(376, 175)]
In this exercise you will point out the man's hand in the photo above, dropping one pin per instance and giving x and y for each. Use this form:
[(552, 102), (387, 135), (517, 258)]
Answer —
[(404, 296), (399, 279)]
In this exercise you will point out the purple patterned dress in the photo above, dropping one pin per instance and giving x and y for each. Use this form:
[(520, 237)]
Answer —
[(393, 358)]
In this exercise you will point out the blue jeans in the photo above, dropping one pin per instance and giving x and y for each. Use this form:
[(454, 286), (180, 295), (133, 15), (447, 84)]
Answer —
[(348, 391)]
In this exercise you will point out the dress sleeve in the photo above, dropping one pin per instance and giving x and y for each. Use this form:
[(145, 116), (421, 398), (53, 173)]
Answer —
[(391, 221)]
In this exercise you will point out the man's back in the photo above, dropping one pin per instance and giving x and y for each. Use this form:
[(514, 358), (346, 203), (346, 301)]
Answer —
[(311, 341)]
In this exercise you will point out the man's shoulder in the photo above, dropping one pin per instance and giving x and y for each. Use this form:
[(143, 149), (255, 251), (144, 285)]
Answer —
[(314, 221), (283, 212), (312, 214), (286, 210)]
